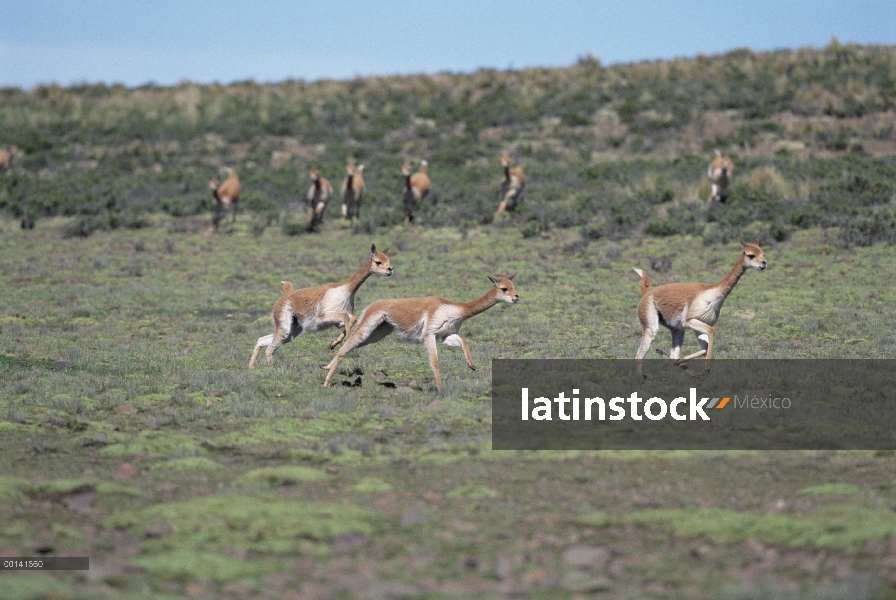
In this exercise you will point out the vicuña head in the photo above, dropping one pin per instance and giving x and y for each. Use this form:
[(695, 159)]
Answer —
[(379, 262), (754, 257), (504, 290)]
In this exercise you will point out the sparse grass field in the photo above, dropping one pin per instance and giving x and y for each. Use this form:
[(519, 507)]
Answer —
[(132, 431)]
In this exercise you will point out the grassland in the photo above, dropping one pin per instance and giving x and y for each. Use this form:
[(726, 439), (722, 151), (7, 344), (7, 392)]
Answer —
[(132, 431)]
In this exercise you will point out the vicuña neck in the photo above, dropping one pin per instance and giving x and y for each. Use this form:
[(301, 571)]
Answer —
[(727, 284), (359, 277), (474, 307)]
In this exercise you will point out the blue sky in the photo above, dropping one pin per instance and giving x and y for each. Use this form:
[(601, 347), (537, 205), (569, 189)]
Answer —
[(167, 41)]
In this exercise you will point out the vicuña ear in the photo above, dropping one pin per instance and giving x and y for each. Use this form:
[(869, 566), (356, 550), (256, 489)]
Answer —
[(372, 250), (757, 241), (510, 277), (492, 279), (386, 251), (741, 243)]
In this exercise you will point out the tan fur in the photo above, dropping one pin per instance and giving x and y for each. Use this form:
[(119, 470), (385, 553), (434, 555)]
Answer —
[(719, 172), (315, 308), (6, 157), (319, 195), (425, 321), (694, 306), (226, 195), (416, 187), (352, 193), (511, 187)]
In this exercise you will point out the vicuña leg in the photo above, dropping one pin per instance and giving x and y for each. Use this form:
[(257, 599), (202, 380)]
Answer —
[(345, 319), (647, 336), (279, 338), (704, 336), (263, 342), (430, 343), (677, 341), (369, 331), (459, 342)]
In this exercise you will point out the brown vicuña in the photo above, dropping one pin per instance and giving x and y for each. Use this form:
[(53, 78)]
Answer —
[(6, 157), (315, 308), (511, 187), (694, 306), (425, 321), (352, 193), (319, 195), (416, 187), (226, 195), (719, 172)]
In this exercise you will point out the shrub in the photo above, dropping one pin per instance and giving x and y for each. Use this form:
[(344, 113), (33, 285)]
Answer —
[(875, 226)]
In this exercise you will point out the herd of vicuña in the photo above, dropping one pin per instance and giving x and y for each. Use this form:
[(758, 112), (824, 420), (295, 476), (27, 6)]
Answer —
[(431, 319)]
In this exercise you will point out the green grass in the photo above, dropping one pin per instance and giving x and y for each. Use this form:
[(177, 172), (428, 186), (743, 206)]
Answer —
[(133, 431)]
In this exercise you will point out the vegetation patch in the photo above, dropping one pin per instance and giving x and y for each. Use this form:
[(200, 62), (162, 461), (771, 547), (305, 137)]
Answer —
[(186, 565), (372, 485), (157, 443), (836, 527), (190, 464), (258, 523), (281, 476)]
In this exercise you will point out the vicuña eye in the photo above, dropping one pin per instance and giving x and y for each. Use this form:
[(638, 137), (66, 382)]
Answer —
[(751, 256)]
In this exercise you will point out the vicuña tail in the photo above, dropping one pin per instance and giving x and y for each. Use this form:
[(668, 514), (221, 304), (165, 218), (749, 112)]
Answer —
[(645, 285)]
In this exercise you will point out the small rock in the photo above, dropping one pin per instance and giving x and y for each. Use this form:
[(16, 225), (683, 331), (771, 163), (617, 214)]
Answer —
[(125, 409), (435, 405), (346, 542), (404, 389), (586, 557), (125, 470), (82, 501), (412, 516), (393, 590), (158, 529), (332, 470), (101, 438), (581, 583), (503, 567)]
